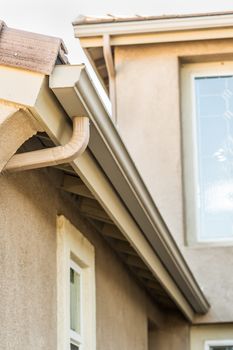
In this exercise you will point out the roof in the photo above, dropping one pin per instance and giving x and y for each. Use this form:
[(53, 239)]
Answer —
[(82, 20), (31, 51)]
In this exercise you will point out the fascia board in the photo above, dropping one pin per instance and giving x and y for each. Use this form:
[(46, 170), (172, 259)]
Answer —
[(118, 166), (30, 92), (159, 37), (152, 26), (20, 86)]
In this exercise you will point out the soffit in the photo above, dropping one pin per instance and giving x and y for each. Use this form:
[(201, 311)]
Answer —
[(96, 58), (138, 29), (92, 211)]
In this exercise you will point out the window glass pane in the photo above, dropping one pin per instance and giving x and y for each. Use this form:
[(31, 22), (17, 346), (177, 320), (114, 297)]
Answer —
[(214, 113), (75, 300), (74, 347)]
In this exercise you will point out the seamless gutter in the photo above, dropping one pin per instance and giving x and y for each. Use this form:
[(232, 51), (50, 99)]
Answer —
[(138, 25), (81, 19), (114, 159)]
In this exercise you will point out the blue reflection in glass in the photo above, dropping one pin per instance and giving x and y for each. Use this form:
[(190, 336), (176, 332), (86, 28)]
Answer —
[(214, 113)]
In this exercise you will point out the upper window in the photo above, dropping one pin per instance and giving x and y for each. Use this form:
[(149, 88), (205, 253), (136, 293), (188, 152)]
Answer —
[(207, 109)]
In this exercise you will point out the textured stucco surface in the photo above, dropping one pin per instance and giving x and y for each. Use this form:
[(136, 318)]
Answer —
[(200, 334), (172, 335), (149, 121), (213, 267), (28, 208), (15, 128), (28, 269)]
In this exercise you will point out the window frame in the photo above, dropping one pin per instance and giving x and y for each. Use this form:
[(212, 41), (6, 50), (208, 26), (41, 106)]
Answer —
[(209, 343), (73, 249), (189, 136), (75, 337)]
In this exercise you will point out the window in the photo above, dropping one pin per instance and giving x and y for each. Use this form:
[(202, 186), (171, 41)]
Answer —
[(219, 345), (75, 304), (207, 113), (75, 289)]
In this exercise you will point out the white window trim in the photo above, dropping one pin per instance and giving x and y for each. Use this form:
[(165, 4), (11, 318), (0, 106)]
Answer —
[(75, 337), (218, 343), (73, 246), (190, 159)]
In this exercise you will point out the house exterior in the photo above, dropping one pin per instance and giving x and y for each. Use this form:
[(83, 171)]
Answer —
[(170, 79), (96, 250)]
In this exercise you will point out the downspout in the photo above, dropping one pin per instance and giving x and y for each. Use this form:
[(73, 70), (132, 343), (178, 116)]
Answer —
[(54, 155), (111, 73)]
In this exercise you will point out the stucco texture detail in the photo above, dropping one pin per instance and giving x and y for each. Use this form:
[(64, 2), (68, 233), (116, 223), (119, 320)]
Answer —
[(30, 202), (213, 267), (15, 128), (120, 306), (28, 269), (172, 335), (149, 121)]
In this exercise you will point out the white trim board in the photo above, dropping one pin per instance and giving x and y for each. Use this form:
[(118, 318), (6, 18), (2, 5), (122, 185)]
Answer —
[(217, 343)]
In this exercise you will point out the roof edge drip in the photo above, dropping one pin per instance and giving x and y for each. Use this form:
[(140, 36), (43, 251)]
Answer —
[(84, 20)]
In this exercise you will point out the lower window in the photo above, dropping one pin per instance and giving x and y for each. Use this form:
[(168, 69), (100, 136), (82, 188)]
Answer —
[(76, 298), (75, 289), (219, 345)]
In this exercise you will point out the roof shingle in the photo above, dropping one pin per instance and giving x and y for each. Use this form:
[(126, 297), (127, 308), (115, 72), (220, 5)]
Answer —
[(35, 52)]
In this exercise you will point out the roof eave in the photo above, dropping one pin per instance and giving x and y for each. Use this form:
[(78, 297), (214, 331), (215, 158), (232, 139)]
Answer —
[(163, 24), (114, 159)]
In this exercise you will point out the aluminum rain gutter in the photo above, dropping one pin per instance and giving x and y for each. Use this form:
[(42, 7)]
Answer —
[(73, 88), (153, 25)]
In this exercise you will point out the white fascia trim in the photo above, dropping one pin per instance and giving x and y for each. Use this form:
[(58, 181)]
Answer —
[(153, 26), (72, 86)]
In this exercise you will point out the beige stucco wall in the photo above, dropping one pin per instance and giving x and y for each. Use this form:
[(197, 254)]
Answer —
[(148, 115), (29, 204), (173, 334), (200, 334)]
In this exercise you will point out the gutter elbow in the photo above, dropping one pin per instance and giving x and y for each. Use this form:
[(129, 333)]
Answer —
[(55, 155)]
